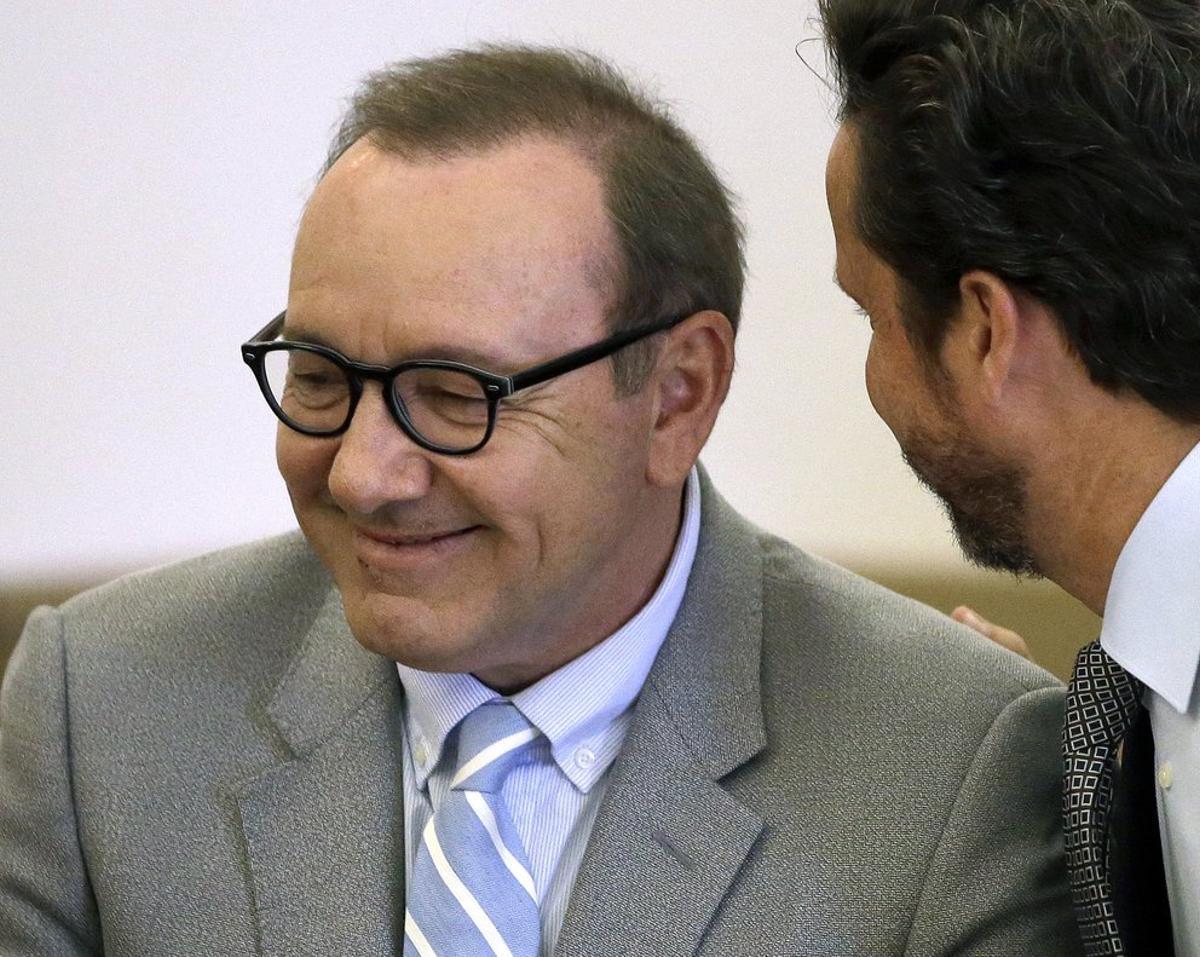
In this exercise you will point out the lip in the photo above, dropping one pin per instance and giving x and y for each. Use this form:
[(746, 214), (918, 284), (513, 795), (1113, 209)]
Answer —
[(387, 551)]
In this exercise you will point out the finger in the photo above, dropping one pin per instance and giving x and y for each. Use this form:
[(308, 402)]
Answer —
[(1005, 637), (969, 617)]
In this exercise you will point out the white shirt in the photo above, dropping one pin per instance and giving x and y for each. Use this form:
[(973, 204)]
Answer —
[(1152, 628), (583, 711)]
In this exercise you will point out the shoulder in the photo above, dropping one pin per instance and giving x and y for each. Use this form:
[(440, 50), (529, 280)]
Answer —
[(827, 614), (241, 609), (229, 571), (845, 660)]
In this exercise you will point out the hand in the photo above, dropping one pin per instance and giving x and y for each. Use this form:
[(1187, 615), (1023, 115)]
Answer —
[(1001, 636)]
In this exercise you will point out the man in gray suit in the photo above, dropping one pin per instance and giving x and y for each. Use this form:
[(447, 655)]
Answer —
[(526, 684)]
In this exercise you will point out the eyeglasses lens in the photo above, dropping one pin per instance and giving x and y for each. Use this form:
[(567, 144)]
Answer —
[(311, 392), (448, 408)]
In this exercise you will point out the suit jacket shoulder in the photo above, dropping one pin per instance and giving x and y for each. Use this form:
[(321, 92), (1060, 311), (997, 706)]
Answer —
[(819, 617), (203, 755), (250, 603)]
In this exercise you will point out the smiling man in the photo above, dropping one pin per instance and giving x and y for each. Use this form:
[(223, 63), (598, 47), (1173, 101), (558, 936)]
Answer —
[(526, 684)]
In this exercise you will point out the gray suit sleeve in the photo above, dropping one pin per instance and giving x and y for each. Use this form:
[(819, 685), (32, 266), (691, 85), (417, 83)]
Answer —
[(46, 903), (1000, 859)]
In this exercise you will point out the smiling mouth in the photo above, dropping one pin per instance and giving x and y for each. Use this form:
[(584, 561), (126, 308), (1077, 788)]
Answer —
[(392, 557), (414, 541)]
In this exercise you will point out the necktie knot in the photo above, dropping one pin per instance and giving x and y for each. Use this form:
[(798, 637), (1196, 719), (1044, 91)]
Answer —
[(491, 741), (1102, 701)]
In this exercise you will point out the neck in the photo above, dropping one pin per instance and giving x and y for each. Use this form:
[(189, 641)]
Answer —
[(1091, 489), (613, 593)]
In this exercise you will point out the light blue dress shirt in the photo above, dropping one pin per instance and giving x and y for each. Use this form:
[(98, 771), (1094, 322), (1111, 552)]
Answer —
[(1152, 628), (582, 710)]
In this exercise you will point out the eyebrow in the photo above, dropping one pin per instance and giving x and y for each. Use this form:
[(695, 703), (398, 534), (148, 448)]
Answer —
[(452, 353)]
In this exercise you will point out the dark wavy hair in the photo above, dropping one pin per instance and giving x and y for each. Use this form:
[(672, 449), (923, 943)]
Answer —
[(680, 241), (1054, 143)]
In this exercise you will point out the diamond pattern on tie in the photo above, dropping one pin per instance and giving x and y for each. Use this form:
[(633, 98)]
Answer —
[(471, 893), (1102, 702)]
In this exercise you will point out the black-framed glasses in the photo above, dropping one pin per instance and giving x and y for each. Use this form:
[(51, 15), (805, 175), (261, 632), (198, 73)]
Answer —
[(443, 406)]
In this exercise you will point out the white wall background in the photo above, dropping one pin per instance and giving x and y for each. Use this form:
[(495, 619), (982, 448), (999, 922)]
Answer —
[(155, 158)]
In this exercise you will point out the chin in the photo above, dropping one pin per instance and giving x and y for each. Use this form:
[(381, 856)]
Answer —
[(409, 631), (984, 497)]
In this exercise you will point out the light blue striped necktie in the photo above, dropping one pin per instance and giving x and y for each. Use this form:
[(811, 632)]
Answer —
[(471, 893)]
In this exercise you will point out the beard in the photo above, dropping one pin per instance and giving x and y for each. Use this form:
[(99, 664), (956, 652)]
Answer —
[(984, 497)]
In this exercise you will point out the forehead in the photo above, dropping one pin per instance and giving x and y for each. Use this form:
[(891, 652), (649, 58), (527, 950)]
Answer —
[(514, 241), (841, 174), (860, 271)]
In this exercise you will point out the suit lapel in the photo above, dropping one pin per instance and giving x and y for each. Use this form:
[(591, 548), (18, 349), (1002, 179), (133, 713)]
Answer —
[(323, 829), (669, 840)]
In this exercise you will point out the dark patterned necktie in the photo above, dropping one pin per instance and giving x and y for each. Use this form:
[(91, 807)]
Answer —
[(1102, 702)]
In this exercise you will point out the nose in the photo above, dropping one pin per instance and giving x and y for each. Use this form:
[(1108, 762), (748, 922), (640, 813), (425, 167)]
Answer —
[(376, 464)]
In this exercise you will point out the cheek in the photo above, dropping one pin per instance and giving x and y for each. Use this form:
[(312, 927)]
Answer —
[(527, 498), (876, 379), (557, 503), (891, 387), (304, 463)]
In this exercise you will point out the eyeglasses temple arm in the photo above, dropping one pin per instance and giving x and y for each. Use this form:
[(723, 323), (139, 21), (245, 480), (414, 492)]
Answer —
[(270, 331), (588, 354)]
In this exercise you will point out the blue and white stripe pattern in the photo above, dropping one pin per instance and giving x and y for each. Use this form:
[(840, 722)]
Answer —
[(583, 711), (472, 894)]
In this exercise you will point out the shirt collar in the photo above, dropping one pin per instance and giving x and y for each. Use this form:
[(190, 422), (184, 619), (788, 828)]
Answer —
[(581, 705), (1152, 613)]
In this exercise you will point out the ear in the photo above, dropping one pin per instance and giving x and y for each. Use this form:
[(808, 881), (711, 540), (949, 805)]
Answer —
[(983, 346), (690, 382)]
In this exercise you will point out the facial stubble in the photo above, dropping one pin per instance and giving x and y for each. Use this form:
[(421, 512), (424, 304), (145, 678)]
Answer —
[(984, 496)]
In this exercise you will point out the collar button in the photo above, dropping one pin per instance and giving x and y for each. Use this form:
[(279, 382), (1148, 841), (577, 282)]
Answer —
[(585, 758)]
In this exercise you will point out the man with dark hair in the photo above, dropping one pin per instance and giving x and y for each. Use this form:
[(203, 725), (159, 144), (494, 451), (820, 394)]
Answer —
[(526, 685), (1015, 190)]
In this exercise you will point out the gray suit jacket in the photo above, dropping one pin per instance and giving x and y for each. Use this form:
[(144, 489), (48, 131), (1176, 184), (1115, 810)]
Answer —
[(202, 760)]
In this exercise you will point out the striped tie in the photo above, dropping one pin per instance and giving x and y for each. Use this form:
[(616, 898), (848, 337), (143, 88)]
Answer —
[(1102, 702), (471, 893)]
